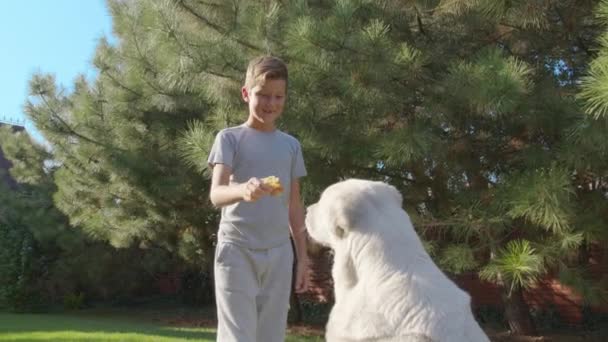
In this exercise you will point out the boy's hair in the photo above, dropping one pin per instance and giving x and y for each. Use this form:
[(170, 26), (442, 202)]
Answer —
[(265, 68)]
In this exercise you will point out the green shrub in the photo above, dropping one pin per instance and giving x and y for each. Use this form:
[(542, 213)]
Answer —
[(592, 319), (314, 313), (73, 301), (490, 315), (19, 265), (547, 318)]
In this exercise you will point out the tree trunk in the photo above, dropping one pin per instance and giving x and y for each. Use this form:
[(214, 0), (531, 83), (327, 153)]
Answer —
[(583, 254), (517, 313)]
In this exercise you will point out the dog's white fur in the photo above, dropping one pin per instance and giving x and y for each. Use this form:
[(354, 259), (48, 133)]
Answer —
[(387, 288)]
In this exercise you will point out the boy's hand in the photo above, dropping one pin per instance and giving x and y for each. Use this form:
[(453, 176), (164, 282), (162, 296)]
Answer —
[(274, 184), (302, 276), (254, 189)]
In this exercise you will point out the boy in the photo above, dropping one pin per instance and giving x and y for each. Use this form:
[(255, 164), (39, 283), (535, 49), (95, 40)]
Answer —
[(254, 256)]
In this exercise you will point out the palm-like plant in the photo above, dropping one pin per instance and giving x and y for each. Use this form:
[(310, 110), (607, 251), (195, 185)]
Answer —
[(518, 266)]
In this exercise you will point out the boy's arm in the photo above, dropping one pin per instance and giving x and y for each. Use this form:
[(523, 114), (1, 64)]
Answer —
[(223, 193), (298, 232), (296, 221)]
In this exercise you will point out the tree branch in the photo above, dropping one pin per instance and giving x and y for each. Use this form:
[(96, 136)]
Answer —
[(70, 130), (216, 27)]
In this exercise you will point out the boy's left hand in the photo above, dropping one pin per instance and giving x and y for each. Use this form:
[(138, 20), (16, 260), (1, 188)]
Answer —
[(302, 276)]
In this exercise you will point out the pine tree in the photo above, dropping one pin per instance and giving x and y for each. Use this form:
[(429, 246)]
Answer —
[(31, 229), (119, 176), (45, 261), (468, 107)]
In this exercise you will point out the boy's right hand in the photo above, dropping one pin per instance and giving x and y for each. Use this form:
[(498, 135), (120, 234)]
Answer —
[(254, 189)]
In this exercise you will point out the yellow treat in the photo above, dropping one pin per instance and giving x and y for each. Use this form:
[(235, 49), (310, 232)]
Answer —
[(274, 183)]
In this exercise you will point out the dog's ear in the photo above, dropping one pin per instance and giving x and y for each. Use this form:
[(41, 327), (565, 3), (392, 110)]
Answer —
[(324, 221), (346, 212), (350, 209), (342, 222), (350, 204), (339, 231), (359, 205), (344, 271)]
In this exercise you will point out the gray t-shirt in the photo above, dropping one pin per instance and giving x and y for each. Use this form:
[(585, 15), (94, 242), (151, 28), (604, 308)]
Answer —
[(252, 153)]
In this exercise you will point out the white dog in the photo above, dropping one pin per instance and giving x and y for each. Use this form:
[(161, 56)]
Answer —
[(387, 288)]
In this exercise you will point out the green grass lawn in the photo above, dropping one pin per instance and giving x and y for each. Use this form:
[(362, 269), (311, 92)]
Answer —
[(72, 327), (146, 325)]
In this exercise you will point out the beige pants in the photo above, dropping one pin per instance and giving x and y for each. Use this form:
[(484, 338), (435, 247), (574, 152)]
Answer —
[(252, 288)]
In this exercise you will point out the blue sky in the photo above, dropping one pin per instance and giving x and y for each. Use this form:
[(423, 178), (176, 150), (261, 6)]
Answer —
[(50, 36)]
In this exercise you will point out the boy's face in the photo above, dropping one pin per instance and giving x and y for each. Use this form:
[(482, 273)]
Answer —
[(266, 101)]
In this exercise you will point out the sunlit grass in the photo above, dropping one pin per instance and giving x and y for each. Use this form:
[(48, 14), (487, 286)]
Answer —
[(89, 336), (59, 327)]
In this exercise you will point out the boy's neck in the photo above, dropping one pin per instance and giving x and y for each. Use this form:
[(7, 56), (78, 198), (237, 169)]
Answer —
[(259, 126)]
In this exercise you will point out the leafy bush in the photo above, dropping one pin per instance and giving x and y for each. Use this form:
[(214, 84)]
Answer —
[(592, 319), (313, 312), (547, 318), (19, 263), (490, 315), (196, 288), (73, 301)]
